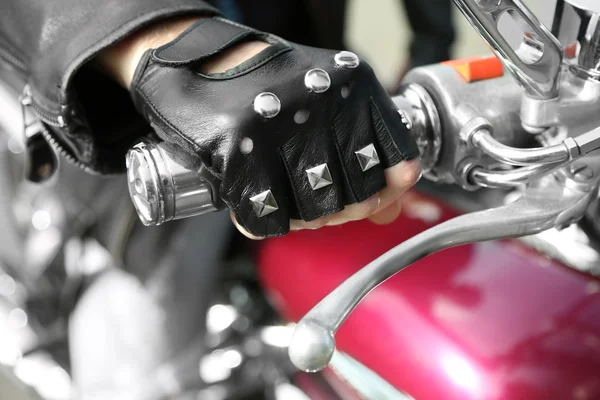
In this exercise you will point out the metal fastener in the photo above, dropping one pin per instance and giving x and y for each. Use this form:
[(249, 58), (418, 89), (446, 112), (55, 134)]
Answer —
[(581, 172)]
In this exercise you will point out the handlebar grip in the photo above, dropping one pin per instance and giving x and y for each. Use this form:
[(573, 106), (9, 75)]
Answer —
[(167, 183)]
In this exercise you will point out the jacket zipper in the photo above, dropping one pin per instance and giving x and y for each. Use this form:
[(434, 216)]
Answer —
[(44, 115), (49, 119), (12, 60)]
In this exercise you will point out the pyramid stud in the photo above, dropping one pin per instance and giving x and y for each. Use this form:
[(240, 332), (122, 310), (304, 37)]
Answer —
[(367, 157), (264, 204), (319, 176)]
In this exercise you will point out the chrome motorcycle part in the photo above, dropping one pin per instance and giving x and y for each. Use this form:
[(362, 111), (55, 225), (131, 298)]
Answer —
[(421, 112), (481, 177), (165, 183), (591, 5), (441, 105), (537, 62), (545, 204), (577, 27), (568, 150)]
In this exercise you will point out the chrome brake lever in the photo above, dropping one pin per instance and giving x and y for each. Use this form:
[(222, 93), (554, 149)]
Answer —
[(553, 201), (536, 64)]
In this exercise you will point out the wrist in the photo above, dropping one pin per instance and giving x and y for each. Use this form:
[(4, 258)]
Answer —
[(121, 59)]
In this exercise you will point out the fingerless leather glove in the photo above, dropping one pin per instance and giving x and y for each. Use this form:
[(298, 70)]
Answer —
[(294, 132)]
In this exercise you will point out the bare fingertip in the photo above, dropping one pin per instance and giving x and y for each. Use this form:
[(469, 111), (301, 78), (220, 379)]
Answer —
[(242, 230), (404, 174)]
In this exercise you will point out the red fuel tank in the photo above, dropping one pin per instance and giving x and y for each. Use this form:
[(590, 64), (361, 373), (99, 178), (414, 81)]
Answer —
[(492, 320)]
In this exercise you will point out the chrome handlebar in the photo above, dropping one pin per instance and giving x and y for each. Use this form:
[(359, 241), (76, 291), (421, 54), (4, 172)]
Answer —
[(167, 183)]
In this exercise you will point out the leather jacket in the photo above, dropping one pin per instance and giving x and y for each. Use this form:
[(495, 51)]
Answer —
[(88, 117)]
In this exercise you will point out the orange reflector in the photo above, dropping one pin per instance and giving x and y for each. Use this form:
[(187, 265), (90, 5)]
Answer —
[(477, 68), (571, 51)]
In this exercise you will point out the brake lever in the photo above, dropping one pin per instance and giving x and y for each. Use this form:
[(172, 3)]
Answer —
[(537, 63), (554, 201)]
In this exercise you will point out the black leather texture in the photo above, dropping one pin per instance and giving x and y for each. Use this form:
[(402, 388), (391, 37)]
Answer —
[(211, 115), (51, 42)]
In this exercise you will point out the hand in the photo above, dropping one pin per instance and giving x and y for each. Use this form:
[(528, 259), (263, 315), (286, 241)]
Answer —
[(177, 83)]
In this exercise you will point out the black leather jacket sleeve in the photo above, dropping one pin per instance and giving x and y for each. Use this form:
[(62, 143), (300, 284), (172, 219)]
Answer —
[(89, 116)]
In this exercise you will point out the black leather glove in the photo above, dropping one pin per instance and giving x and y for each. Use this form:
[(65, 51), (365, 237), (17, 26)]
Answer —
[(294, 132)]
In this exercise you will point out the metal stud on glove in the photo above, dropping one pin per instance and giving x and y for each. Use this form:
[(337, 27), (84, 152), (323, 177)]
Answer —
[(293, 133)]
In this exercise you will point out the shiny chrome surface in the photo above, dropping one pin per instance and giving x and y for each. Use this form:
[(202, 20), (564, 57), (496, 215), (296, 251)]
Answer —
[(516, 156), (267, 105), (165, 183), (591, 5), (317, 80), (545, 204), (346, 59), (505, 179), (367, 157), (537, 62), (454, 104), (423, 123)]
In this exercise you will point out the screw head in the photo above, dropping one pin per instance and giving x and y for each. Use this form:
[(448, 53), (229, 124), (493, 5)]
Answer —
[(581, 172)]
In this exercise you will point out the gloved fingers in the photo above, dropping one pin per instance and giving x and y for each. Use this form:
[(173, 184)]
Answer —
[(382, 208), (393, 136), (314, 173), (258, 198), (399, 178), (358, 151)]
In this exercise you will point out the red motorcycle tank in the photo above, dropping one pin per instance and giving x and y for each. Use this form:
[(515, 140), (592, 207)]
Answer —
[(492, 320)]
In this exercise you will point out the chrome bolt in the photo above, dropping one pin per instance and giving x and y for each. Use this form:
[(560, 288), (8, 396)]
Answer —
[(581, 172)]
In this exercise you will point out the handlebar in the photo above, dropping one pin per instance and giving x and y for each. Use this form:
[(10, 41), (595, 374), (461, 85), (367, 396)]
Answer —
[(167, 183)]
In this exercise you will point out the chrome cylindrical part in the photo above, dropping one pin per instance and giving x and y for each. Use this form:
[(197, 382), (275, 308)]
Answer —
[(577, 24), (166, 183), (420, 115)]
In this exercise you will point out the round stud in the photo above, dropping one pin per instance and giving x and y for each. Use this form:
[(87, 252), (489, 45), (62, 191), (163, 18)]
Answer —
[(317, 80), (346, 59), (267, 105)]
